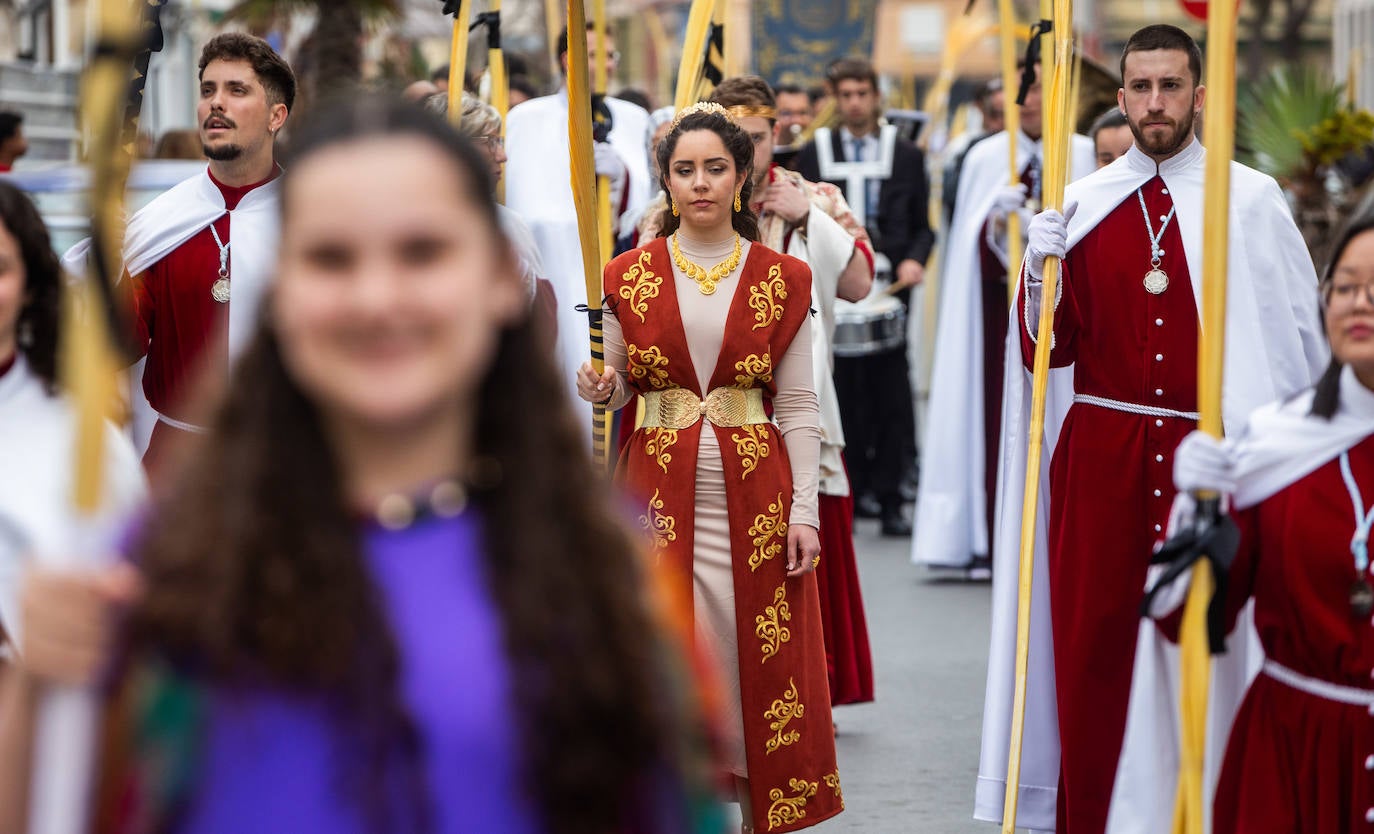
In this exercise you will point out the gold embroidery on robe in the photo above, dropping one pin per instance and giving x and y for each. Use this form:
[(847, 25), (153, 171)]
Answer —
[(751, 444), (753, 370), (660, 441), (641, 284), (782, 712), (648, 365), (659, 524), (766, 527), (832, 781), (768, 626), (763, 298), (786, 810)]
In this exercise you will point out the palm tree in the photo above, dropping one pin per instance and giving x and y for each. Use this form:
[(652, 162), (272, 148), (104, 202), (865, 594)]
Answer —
[(331, 60), (1297, 125)]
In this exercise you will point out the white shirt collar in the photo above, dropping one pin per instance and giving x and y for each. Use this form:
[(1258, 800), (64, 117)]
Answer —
[(849, 137), (1191, 155)]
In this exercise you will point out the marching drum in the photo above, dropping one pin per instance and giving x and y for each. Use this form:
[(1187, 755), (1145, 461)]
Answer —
[(873, 325)]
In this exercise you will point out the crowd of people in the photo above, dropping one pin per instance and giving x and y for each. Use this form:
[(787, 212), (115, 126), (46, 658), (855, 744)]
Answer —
[(365, 574)]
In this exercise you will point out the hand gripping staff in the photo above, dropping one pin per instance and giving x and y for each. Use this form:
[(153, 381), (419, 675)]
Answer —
[(584, 182), (1209, 546), (1058, 128), (66, 730)]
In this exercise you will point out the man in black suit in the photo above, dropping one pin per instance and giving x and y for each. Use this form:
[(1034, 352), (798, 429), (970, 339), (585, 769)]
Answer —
[(884, 179)]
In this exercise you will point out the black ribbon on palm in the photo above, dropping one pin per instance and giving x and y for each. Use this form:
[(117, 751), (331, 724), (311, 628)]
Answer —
[(491, 20), (1212, 536), (153, 41), (1031, 65)]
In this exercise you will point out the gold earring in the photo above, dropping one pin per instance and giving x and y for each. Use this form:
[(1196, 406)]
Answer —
[(737, 204), (675, 212)]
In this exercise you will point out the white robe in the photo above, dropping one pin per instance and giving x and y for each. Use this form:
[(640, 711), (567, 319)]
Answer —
[(173, 218), (539, 189), (826, 248), (1274, 348), (36, 515), (951, 507)]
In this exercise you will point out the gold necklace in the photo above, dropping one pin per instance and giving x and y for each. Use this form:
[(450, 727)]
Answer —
[(706, 281)]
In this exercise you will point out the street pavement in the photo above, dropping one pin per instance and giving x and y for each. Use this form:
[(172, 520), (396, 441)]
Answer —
[(908, 760)]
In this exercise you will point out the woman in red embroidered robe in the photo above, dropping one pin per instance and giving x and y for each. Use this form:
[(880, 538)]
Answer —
[(708, 326), (1301, 751)]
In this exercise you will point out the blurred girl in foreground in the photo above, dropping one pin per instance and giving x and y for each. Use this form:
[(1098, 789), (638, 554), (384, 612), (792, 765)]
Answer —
[(389, 593)]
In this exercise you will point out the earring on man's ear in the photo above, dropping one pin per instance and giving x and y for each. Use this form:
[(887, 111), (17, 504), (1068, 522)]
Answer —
[(675, 211), (737, 203)]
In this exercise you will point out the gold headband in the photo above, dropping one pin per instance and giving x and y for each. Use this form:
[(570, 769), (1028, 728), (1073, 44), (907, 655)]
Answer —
[(702, 107), (745, 111)]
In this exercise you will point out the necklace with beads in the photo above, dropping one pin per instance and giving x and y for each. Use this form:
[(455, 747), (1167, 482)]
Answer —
[(706, 280)]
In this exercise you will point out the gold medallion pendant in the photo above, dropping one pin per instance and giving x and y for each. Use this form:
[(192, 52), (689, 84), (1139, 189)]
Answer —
[(219, 290), (1156, 281)]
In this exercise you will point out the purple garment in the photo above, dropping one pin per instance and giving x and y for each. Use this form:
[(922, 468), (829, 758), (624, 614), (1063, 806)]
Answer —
[(270, 764)]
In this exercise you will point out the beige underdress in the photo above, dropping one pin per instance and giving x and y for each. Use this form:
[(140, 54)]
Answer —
[(797, 412)]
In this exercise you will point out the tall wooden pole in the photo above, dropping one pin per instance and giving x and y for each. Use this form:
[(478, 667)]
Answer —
[(1195, 665), (458, 59), (68, 718), (1006, 27), (584, 188), (1057, 131)]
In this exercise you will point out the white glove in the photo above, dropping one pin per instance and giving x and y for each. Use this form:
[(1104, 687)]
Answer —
[(609, 164), (1203, 462), (1009, 198), (1047, 236)]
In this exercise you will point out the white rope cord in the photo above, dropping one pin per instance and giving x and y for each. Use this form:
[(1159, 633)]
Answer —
[(177, 424), (1314, 686), (1134, 408)]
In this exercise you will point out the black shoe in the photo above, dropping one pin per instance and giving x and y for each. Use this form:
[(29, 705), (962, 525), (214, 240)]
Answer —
[(894, 523), (866, 506)]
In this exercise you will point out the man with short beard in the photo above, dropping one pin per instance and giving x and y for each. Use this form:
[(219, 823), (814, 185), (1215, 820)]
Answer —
[(198, 257), (1127, 321)]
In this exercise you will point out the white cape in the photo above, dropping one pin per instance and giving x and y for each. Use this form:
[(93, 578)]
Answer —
[(173, 218), (1283, 442), (826, 248), (1274, 348), (36, 517), (951, 507), (539, 189)]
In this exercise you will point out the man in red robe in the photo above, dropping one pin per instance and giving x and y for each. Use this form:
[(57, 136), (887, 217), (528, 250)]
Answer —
[(199, 255), (1127, 322)]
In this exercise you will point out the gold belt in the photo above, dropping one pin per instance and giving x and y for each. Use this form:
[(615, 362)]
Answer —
[(679, 408)]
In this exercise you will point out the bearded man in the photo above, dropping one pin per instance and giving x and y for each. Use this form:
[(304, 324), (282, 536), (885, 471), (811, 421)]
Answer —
[(1124, 394), (198, 257)]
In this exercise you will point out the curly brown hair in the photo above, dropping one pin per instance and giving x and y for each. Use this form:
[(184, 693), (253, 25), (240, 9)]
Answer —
[(41, 314), (254, 571), (270, 68), (740, 148)]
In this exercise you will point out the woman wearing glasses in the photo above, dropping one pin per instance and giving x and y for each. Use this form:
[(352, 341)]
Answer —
[(1301, 484)]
